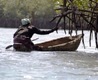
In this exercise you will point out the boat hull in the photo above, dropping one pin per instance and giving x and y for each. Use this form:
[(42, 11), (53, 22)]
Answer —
[(69, 43)]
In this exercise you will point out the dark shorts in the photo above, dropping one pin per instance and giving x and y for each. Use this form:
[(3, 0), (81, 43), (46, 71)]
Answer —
[(24, 44)]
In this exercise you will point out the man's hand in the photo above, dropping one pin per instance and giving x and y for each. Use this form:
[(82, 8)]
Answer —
[(55, 29)]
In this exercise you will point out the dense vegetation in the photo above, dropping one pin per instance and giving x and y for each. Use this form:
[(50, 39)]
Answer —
[(40, 11), (13, 10)]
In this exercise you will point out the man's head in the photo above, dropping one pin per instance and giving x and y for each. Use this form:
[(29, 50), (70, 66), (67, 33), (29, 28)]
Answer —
[(25, 21)]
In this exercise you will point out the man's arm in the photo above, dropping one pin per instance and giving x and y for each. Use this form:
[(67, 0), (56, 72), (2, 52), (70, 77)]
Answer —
[(37, 31)]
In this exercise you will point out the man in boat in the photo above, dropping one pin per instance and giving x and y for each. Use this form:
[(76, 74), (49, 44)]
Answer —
[(22, 37)]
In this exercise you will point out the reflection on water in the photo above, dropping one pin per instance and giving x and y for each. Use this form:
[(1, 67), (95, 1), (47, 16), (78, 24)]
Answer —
[(47, 65)]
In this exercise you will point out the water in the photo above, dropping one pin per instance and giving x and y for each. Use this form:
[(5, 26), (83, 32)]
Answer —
[(47, 65)]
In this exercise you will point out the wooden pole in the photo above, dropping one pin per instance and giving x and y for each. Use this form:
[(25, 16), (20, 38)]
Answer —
[(64, 3)]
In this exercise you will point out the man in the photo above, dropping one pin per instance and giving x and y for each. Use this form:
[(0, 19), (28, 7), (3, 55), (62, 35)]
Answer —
[(22, 37)]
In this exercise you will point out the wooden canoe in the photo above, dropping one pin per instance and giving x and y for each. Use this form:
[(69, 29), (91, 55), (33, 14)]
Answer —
[(69, 43)]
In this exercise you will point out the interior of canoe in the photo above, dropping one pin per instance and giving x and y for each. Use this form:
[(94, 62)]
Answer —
[(57, 41)]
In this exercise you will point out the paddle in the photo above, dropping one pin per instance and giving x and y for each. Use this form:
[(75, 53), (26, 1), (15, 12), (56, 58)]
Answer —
[(9, 46)]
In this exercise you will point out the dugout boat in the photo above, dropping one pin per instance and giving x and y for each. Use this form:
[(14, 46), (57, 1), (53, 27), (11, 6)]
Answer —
[(68, 43)]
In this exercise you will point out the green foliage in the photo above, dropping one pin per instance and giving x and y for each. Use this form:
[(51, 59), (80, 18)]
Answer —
[(81, 4), (26, 8), (31, 8)]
